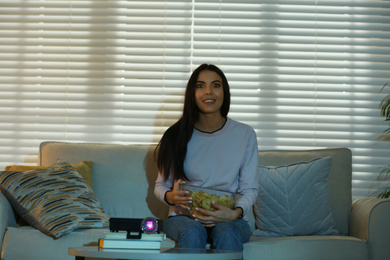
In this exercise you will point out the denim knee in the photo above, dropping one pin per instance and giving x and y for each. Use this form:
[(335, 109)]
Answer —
[(230, 235), (194, 236), (187, 232)]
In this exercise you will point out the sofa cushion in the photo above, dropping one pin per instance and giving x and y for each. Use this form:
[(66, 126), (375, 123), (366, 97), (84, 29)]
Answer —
[(293, 200), (306, 247), (55, 200), (84, 168), (29, 243)]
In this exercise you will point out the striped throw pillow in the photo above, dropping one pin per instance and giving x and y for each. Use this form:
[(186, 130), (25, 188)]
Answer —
[(55, 200), (85, 169)]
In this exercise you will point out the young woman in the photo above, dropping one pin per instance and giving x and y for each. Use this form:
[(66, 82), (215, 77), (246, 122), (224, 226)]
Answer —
[(206, 148)]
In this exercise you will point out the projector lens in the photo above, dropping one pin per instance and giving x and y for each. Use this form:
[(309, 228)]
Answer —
[(149, 225)]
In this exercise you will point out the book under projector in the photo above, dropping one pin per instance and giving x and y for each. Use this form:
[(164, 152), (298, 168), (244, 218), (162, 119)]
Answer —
[(119, 240)]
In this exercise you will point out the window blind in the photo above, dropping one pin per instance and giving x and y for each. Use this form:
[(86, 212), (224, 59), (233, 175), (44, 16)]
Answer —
[(303, 74)]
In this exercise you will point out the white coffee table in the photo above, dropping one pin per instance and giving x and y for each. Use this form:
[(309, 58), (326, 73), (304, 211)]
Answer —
[(81, 253)]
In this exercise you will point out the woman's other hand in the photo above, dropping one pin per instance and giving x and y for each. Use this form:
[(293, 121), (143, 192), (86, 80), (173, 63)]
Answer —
[(210, 218), (177, 196)]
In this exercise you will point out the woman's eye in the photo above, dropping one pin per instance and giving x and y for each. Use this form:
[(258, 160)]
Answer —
[(217, 85), (199, 85)]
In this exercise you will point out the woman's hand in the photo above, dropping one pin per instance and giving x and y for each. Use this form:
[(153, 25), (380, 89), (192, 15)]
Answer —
[(210, 218), (178, 197)]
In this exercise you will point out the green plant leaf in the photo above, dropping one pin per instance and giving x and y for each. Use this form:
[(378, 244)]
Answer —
[(384, 175), (384, 105), (382, 193)]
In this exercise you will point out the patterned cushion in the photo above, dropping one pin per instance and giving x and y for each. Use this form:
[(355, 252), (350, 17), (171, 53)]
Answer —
[(84, 168), (293, 200), (55, 200)]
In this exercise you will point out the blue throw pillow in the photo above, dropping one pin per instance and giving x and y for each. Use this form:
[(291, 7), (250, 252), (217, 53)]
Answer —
[(293, 200)]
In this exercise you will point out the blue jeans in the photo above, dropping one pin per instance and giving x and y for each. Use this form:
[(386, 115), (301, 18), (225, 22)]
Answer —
[(188, 233)]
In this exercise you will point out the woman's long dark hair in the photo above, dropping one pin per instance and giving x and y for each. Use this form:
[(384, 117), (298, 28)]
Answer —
[(172, 148)]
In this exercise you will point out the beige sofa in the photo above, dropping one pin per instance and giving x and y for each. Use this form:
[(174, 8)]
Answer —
[(123, 181)]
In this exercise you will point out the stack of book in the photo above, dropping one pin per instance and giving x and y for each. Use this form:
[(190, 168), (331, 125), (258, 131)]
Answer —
[(119, 240)]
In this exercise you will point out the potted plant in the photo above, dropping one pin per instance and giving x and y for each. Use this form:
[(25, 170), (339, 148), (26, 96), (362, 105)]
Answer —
[(384, 175)]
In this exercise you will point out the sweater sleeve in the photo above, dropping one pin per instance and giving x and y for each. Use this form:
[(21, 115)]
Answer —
[(162, 187), (248, 177)]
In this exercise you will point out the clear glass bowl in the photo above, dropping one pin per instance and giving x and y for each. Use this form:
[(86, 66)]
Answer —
[(203, 198)]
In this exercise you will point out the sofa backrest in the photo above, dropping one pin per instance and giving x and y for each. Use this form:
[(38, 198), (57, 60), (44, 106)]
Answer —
[(124, 176)]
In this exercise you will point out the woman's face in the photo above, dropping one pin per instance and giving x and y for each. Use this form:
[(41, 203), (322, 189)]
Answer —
[(209, 92)]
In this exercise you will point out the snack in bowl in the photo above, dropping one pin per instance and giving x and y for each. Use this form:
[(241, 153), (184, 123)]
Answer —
[(203, 198)]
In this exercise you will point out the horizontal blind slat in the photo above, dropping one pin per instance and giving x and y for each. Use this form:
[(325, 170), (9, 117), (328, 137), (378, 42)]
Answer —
[(303, 74)]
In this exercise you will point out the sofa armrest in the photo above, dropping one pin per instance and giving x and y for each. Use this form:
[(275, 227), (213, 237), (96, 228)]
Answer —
[(7, 216), (370, 222)]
